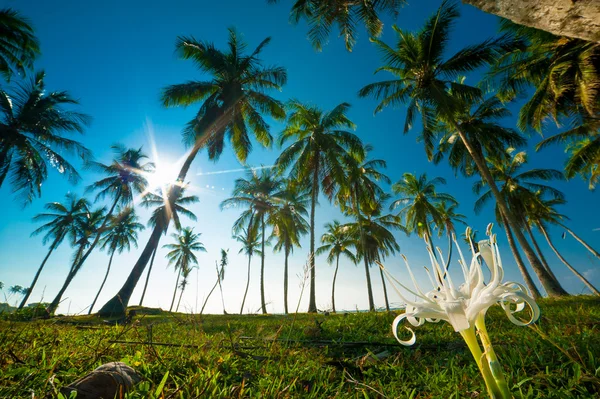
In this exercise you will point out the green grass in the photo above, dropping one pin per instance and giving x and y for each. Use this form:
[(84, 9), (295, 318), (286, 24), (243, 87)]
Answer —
[(557, 358)]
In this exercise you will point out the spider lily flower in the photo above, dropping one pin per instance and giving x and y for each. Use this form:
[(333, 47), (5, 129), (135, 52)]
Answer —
[(464, 307)]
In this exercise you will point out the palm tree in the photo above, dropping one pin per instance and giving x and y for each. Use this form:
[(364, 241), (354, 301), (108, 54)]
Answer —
[(428, 83), (182, 255), (250, 239), (288, 219), (259, 193), (61, 221), (320, 151), (234, 102), (448, 216), (321, 15), (516, 188), (32, 123), (88, 227), (220, 276), (18, 45), (118, 238), (539, 212), (166, 208), (336, 242)]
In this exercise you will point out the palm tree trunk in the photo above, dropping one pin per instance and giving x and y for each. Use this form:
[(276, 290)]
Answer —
[(262, 267), (175, 292), (312, 304), (103, 281), (539, 250), (39, 271), (208, 296), (585, 244), (552, 287), (524, 272), (247, 285), (563, 260), (337, 265), (285, 280), (117, 304), (72, 272), (385, 295), (148, 276), (179, 300), (369, 288), (221, 289)]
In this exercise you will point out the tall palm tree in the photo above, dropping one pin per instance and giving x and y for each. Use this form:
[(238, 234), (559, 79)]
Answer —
[(18, 45), (321, 15), (289, 223), (122, 233), (88, 227), (250, 239), (166, 208), (449, 217), (181, 254), (540, 212), (234, 102), (516, 187), (32, 124), (259, 192), (61, 221), (336, 241), (318, 156), (427, 81)]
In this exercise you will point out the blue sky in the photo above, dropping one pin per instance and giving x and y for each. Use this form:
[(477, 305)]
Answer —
[(115, 57)]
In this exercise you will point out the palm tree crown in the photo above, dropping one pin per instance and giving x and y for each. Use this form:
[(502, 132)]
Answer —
[(18, 45)]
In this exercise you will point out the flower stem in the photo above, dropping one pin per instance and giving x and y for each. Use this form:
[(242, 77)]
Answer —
[(490, 382), (492, 359)]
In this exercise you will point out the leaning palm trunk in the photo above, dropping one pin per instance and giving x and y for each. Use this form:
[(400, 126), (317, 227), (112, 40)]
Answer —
[(563, 260), (539, 250), (39, 271), (585, 244), (148, 277), (552, 287), (526, 276), (208, 296), (72, 271), (369, 288), (247, 285), (285, 279), (262, 268), (179, 300), (103, 282), (385, 295), (337, 265), (174, 292), (312, 303), (117, 304)]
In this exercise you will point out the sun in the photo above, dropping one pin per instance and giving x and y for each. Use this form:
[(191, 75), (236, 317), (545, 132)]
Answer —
[(163, 175)]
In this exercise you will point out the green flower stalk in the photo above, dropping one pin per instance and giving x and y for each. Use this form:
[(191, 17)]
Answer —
[(465, 307)]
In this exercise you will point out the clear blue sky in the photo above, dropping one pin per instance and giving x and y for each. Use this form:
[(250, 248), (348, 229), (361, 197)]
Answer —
[(115, 57)]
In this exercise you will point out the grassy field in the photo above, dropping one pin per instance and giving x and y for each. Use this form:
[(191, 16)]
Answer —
[(310, 356)]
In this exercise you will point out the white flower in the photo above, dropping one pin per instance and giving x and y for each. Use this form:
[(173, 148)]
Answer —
[(461, 306)]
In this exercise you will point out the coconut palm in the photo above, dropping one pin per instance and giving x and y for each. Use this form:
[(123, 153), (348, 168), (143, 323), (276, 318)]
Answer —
[(234, 102), (541, 212), (88, 227), (449, 217), (166, 208), (182, 254), (18, 45), (318, 156), (61, 221), (259, 193), (336, 242), (289, 223), (122, 233), (321, 15), (427, 81), (32, 124), (250, 239)]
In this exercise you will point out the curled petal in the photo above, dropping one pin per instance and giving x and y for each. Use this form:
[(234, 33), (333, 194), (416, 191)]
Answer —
[(520, 299), (395, 326)]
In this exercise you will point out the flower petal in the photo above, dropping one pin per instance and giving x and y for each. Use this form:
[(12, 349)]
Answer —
[(395, 326)]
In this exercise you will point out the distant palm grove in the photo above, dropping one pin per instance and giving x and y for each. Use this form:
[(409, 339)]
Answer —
[(554, 82)]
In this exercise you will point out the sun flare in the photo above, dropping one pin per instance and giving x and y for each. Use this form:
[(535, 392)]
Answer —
[(163, 175)]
